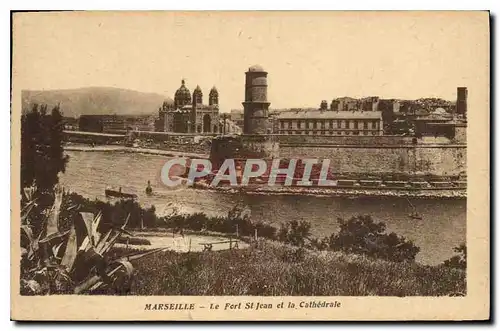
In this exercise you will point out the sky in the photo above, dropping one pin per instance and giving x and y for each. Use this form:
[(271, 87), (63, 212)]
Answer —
[(309, 56)]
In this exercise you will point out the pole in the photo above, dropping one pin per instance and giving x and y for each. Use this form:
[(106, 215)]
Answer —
[(224, 124)]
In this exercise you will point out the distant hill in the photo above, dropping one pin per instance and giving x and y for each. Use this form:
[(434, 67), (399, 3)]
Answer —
[(95, 100)]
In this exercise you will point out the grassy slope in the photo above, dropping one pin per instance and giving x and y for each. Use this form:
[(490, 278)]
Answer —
[(276, 269)]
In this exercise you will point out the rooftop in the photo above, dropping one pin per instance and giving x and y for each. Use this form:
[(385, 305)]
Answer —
[(310, 114)]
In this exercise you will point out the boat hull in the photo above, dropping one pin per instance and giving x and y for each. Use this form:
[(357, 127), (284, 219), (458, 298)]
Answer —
[(117, 194)]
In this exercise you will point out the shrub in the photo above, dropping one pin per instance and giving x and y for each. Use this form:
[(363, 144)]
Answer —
[(361, 235), (459, 260), (294, 232)]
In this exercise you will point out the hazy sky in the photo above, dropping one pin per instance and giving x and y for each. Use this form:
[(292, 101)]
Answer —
[(310, 56)]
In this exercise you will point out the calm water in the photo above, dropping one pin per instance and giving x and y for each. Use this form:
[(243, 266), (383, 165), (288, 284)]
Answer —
[(442, 227)]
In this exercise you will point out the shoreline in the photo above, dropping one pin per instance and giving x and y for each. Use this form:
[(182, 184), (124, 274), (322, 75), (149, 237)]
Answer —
[(341, 192)]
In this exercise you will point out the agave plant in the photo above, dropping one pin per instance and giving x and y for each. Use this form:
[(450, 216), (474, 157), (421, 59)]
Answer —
[(73, 261)]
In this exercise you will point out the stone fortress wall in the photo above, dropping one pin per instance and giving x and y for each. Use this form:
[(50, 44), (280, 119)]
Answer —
[(379, 154)]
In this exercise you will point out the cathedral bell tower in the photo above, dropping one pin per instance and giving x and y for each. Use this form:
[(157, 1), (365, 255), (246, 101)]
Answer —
[(213, 98)]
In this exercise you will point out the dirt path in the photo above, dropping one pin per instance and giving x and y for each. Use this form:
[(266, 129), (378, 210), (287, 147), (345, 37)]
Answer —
[(188, 242)]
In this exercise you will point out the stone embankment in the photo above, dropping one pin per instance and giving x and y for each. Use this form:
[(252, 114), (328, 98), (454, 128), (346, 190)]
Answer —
[(126, 149)]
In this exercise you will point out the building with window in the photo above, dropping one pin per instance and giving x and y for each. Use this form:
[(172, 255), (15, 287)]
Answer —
[(333, 123)]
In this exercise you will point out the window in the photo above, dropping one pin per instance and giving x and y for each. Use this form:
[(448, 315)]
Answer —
[(338, 124), (315, 124), (282, 124), (331, 133), (323, 124), (365, 125), (356, 124), (331, 124)]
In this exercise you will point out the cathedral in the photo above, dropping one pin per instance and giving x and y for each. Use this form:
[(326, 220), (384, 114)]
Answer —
[(188, 114)]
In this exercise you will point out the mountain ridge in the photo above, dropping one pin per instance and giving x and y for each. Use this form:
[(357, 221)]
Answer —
[(95, 100)]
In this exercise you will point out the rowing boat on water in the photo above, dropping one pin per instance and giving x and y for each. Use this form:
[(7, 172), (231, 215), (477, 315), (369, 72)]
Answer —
[(119, 194)]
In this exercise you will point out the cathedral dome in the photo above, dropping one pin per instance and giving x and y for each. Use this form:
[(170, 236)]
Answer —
[(256, 68), (182, 95)]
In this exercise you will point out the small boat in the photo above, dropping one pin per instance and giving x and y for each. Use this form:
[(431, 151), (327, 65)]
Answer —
[(119, 194), (414, 214)]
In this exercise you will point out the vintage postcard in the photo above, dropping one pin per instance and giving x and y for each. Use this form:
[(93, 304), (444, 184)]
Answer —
[(316, 165)]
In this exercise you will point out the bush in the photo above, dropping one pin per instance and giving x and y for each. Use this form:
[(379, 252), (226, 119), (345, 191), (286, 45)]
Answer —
[(361, 235), (295, 232), (458, 261)]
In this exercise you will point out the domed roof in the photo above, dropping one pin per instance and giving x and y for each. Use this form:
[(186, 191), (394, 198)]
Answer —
[(256, 68), (213, 90), (183, 90), (198, 88), (182, 95)]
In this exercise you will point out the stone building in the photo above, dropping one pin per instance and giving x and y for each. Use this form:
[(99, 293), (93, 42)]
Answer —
[(111, 123), (320, 122), (187, 113), (236, 115)]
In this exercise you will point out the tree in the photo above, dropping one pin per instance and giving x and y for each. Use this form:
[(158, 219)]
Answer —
[(362, 235), (459, 260), (42, 158), (42, 154)]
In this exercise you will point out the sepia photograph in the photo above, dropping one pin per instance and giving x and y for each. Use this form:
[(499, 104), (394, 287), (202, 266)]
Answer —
[(246, 163)]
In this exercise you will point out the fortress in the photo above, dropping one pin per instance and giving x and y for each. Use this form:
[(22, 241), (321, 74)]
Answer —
[(438, 153)]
